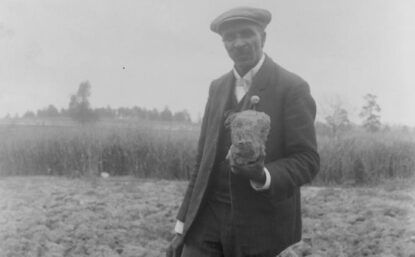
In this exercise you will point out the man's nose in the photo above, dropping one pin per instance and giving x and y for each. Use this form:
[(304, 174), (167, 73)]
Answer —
[(239, 42)]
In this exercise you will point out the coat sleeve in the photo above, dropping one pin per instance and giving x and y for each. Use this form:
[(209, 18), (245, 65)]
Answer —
[(301, 160), (181, 216)]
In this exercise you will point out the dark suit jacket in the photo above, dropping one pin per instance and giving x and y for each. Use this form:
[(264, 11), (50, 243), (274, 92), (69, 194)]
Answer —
[(268, 219)]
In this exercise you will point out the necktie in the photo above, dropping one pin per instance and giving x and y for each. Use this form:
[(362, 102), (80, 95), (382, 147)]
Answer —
[(242, 87)]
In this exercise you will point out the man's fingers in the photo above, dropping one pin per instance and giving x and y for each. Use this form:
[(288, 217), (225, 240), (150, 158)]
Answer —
[(169, 252), (174, 246)]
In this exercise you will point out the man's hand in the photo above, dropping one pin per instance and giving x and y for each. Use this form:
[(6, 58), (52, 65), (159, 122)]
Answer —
[(175, 247), (253, 171)]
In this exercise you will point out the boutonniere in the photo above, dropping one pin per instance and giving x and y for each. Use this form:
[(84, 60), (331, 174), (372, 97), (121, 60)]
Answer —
[(254, 102)]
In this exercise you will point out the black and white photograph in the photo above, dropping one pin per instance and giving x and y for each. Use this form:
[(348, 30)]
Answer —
[(233, 128)]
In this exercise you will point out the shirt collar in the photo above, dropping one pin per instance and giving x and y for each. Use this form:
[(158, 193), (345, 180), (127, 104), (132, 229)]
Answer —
[(252, 72)]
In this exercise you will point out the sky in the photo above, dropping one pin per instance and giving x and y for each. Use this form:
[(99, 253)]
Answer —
[(161, 53)]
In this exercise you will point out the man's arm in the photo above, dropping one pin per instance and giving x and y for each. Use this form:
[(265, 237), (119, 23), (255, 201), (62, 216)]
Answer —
[(302, 160)]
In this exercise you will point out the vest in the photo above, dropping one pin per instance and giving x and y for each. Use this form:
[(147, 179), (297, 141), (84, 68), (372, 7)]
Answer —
[(219, 190)]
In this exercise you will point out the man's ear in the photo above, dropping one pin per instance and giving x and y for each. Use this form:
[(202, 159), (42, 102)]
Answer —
[(263, 37)]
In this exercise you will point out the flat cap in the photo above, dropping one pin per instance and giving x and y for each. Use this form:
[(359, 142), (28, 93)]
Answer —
[(259, 16)]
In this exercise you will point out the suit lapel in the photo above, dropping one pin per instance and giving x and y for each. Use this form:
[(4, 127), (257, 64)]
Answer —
[(216, 114), (224, 92), (220, 98)]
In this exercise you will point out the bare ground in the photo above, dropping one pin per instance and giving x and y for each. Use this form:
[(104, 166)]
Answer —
[(129, 217)]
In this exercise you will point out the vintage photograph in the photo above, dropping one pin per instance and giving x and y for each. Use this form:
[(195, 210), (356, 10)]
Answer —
[(235, 128)]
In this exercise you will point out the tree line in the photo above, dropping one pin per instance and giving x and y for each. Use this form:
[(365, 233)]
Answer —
[(80, 110)]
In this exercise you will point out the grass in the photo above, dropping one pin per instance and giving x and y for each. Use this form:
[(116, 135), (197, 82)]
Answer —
[(117, 150), (359, 158), (166, 150)]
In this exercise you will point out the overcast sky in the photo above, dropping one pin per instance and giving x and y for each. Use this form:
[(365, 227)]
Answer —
[(344, 49)]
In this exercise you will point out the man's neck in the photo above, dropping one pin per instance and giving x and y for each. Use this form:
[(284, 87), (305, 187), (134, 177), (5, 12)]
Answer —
[(243, 70)]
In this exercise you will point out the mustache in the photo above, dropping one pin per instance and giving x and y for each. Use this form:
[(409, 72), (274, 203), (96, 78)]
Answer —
[(241, 50)]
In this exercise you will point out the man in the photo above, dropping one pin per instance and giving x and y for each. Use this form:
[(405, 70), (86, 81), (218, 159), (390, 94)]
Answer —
[(254, 209)]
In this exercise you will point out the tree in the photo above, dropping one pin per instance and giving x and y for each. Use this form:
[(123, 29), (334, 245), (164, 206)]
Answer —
[(138, 112), (63, 112), (29, 115), (166, 114), (182, 116), (51, 111), (124, 112), (79, 107), (105, 112), (371, 114), (153, 114), (338, 121), (336, 116)]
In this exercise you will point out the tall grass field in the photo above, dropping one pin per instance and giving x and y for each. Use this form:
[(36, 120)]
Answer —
[(167, 150)]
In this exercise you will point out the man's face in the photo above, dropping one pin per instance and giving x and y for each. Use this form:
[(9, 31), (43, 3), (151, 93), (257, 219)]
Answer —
[(243, 41)]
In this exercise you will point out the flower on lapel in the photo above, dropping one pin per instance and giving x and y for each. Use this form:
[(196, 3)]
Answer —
[(254, 101)]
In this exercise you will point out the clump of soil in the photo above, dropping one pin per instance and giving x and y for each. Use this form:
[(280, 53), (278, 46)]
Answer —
[(249, 132)]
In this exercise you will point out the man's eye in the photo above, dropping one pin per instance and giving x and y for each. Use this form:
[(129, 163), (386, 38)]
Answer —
[(247, 33), (229, 37)]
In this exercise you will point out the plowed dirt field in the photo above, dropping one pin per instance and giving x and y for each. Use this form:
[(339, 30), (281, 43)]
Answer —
[(130, 217)]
